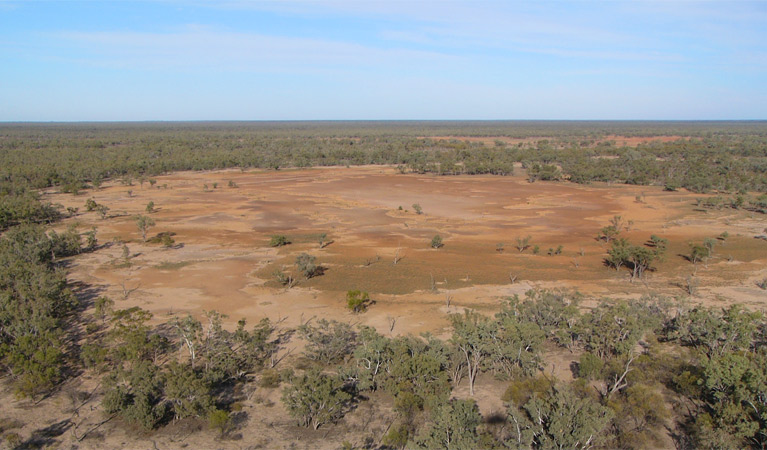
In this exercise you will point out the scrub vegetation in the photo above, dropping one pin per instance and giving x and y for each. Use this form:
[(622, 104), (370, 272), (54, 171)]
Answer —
[(110, 364)]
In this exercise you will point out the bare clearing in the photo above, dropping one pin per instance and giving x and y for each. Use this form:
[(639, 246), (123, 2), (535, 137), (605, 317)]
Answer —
[(222, 260)]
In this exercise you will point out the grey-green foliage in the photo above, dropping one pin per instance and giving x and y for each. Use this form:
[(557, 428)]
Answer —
[(329, 341), (67, 243), (306, 264), (473, 335), (34, 299), (22, 205), (639, 415), (144, 223), (316, 398), (555, 312), (698, 253), (222, 355), (560, 418), (454, 426), (523, 243), (614, 328), (403, 366), (718, 332), (186, 391), (373, 356), (135, 394), (728, 377), (278, 240), (517, 341), (636, 257), (131, 340), (735, 409)]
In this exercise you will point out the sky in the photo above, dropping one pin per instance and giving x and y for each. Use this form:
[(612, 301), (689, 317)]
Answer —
[(382, 60)]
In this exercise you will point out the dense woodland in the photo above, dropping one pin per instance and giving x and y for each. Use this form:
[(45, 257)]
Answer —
[(646, 369)]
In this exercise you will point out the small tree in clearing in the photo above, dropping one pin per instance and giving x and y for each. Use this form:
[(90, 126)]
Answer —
[(91, 204), (167, 240), (641, 258), (636, 257), (523, 243), (609, 233), (144, 223), (397, 255), (357, 301), (709, 243), (306, 265), (150, 207), (698, 253), (278, 240), (436, 242), (126, 253), (285, 279), (417, 208), (103, 211)]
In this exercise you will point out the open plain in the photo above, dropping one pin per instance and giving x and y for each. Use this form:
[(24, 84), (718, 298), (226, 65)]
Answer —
[(370, 229), (222, 260)]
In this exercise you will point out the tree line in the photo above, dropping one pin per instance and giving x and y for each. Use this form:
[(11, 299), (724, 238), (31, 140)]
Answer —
[(720, 156)]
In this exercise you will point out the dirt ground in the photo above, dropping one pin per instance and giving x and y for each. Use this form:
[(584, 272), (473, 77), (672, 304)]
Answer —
[(222, 260), (619, 141)]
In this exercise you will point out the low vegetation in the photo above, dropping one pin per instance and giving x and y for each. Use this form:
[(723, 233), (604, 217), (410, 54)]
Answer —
[(646, 372)]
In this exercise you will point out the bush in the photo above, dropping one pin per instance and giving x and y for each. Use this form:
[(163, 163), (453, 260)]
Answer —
[(436, 242), (357, 301), (220, 420), (316, 398), (13, 440), (278, 240), (397, 437), (167, 241), (306, 265), (270, 378), (590, 366)]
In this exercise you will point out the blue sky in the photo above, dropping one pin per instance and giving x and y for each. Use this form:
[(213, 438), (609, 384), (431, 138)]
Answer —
[(357, 59)]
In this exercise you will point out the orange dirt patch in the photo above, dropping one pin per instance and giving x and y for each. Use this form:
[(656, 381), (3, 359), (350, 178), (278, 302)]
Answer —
[(222, 261), (633, 141), (620, 141)]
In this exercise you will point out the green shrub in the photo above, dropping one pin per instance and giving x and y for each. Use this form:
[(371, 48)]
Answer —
[(270, 378), (278, 240), (590, 366), (220, 420), (357, 301)]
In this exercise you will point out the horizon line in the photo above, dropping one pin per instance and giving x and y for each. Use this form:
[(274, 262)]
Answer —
[(201, 121)]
